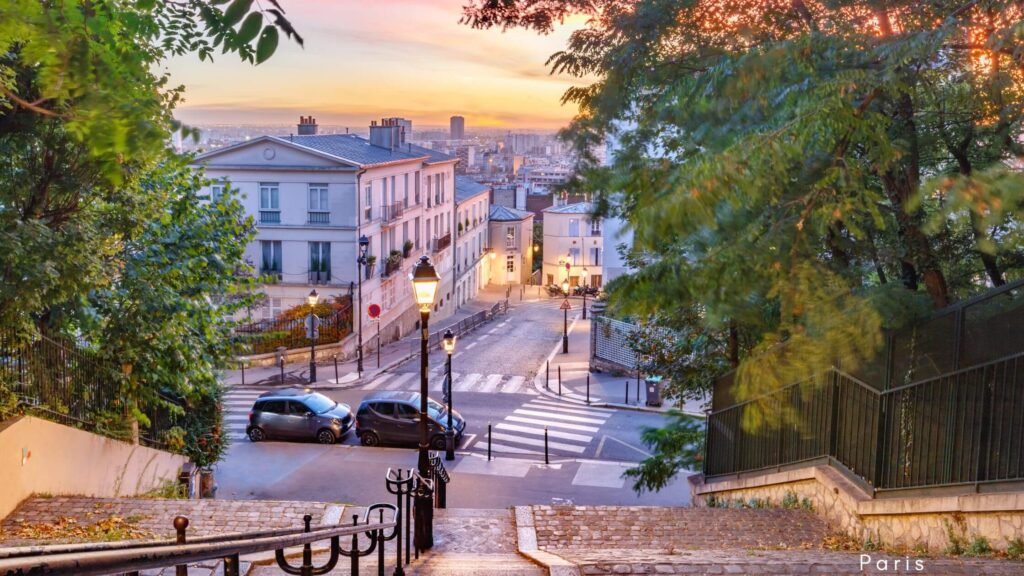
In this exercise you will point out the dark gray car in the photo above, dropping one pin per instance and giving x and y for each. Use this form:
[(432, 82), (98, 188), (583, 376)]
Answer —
[(393, 418), (297, 414)]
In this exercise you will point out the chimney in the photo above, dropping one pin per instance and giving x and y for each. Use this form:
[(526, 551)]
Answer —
[(389, 134), (307, 126)]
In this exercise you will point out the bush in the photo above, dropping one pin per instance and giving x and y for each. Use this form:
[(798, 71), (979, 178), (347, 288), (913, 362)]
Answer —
[(790, 500), (1015, 549), (979, 547)]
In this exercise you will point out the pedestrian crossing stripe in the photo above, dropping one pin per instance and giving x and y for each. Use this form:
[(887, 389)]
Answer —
[(545, 422), (569, 429), (556, 404), (399, 381), (549, 413), (474, 382), (513, 385), (468, 382), (539, 442), (540, 431)]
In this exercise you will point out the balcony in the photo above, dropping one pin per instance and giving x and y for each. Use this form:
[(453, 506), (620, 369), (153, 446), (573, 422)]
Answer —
[(319, 217), (392, 265), (391, 212), (270, 216), (320, 277), (442, 242)]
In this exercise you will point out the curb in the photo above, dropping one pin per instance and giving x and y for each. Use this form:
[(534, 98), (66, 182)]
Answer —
[(526, 544)]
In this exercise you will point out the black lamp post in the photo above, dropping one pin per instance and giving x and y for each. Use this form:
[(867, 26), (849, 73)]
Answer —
[(565, 317), (583, 277), (312, 330), (424, 285), (449, 433), (364, 245)]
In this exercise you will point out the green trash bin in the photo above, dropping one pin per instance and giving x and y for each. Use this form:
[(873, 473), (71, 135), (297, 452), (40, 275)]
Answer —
[(654, 384)]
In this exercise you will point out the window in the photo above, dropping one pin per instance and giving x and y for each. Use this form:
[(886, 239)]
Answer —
[(574, 255), (271, 263), (405, 234), (271, 308), (405, 412), (595, 256), (394, 192), (296, 408), (595, 227), (417, 190), (319, 262), (416, 233), (510, 263), (510, 237), (405, 191), (429, 180), (269, 197), (273, 406), (368, 203), (318, 200), (574, 227), (383, 408), (216, 191)]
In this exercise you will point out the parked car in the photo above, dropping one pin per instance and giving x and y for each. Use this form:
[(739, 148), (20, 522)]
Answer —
[(294, 413), (393, 418)]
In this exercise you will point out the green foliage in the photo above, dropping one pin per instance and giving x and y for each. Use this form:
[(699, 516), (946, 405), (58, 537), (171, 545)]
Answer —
[(956, 542), (1015, 549), (677, 447), (979, 547), (790, 500)]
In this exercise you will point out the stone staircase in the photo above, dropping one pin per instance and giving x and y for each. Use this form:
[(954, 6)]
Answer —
[(470, 542)]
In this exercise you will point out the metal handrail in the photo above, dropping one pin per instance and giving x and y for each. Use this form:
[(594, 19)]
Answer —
[(130, 559)]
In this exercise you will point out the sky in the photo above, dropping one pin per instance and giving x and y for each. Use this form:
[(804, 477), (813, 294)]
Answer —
[(365, 60)]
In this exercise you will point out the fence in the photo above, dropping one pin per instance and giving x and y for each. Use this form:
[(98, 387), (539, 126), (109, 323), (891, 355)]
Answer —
[(268, 335), (960, 424), (609, 341), (53, 379), (468, 324)]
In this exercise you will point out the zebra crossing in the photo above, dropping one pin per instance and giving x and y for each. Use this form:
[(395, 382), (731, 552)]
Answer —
[(571, 429), (236, 405), (472, 382)]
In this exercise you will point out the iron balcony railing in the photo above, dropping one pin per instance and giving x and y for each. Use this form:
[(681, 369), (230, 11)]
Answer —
[(319, 276), (442, 242), (270, 217), (391, 212), (319, 217)]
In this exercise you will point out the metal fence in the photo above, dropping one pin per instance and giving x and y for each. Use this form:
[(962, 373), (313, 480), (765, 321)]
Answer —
[(609, 341), (468, 324), (961, 423), (265, 336)]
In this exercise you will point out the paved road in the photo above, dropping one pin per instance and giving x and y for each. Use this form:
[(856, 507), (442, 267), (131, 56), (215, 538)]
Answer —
[(493, 382)]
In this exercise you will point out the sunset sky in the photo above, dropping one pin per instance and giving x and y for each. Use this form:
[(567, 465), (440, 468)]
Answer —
[(363, 60)]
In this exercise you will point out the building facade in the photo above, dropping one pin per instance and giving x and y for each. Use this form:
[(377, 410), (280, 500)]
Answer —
[(313, 196), (472, 203), (512, 247), (573, 243), (457, 128)]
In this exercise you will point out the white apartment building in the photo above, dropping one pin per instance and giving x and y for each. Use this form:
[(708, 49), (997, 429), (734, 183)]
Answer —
[(472, 204), (572, 242), (314, 195), (511, 233)]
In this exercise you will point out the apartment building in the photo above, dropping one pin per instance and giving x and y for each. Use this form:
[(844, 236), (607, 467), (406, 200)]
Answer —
[(512, 244), (573, 242), (314, 195), (472, 204)]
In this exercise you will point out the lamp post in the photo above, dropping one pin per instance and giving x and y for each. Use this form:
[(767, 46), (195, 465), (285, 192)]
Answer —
[(424, 285), (565, 317), (583, 277), (449, 433), (312, 330), (364, 245)]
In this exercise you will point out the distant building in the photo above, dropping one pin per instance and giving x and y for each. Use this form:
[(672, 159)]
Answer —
[(404, 123), (573, 242), (457, 128), (313, 195), (467, 158), (512, 246)]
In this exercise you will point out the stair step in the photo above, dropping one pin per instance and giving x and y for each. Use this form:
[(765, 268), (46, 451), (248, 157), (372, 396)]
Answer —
[(475, 565)]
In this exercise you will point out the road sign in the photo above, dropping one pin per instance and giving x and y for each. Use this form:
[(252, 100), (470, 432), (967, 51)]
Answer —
[(312, 326), (373, 310), (566, 305), (567, 267)]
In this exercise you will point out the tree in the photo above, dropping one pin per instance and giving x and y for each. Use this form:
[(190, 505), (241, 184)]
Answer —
[(107, 239)]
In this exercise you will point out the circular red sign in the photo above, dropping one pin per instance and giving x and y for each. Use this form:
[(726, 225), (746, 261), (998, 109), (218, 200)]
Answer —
[(373, 310)]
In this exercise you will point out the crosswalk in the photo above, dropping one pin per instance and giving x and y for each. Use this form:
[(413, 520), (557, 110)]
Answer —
[(471, 382), (236, 404), (571, 429)]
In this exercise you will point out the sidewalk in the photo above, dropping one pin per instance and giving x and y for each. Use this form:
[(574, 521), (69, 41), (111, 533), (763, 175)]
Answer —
[(605, 389), (390, 356)]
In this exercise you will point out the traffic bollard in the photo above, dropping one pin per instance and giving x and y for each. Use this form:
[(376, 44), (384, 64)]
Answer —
[(242, 364), (627, 391), (335, 368), (180, 525), (638, 392), (488, 441), (547, 375), (547, 460), (559, 380), (588, 387), (282, 370)]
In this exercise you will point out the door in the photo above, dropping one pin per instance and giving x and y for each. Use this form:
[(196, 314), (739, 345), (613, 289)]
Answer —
[(271, 417), (407, 419), (510, 270), (296, 423)]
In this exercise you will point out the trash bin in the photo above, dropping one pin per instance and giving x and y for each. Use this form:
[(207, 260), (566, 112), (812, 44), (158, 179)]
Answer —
[(654, 384)]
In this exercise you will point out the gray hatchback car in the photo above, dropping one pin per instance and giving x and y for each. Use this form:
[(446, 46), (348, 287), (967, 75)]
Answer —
[(393, 418), (294, 413)]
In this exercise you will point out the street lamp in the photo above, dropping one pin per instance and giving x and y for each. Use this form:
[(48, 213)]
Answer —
[(424, 287), (583, 276), (312, 330), (565, 317), (364, 246), (449, 433)]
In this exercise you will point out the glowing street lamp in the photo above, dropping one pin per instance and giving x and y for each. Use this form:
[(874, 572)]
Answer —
[(312, 331), (424, 286), (448, 341)]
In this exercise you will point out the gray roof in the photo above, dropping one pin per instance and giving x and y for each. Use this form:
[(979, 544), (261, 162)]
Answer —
[(466, 188), (577, 208), (506, 214), (358, 150)]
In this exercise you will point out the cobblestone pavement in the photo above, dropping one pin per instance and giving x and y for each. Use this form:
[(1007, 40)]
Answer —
[(155, 516), (656, 528)]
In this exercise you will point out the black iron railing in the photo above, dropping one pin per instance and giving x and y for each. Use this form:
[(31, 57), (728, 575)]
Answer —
[(265, 336), (391, 212), (319, 276), (319, 217), (442, 242), (958, 428), (270, 217)]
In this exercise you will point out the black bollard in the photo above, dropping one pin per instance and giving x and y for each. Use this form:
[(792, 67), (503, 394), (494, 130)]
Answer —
[(488, 441), (588, 387), (559, 380), (335, 368), (547, 460), (242, 364), (547, 375), (282, 370), (180, 525), (627, 391)]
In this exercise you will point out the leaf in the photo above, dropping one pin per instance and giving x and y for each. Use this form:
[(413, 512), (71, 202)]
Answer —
[(250, 28), (285, 25), (267, 44), (233, 15)]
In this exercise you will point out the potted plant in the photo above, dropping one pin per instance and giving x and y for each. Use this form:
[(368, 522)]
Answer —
[(407, 249), (370, 261), (460, 227)]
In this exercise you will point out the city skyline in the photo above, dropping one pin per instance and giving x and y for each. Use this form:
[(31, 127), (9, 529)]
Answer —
[(392, 58)]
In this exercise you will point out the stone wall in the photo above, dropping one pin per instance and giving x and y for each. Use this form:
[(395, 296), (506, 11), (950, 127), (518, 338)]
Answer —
[(669, 529), (922, 523)]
